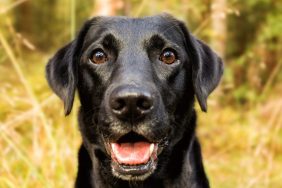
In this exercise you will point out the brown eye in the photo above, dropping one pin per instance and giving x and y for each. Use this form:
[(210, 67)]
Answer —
[(168, 57), (98, 57)]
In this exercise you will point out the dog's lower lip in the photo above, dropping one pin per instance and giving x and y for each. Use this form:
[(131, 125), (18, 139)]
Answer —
[(134, 170)]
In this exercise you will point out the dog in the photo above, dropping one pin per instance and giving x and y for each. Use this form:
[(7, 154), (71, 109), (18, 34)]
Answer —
[(137, 81)]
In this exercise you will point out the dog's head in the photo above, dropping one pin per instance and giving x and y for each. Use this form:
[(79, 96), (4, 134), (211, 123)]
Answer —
[(136, 80)]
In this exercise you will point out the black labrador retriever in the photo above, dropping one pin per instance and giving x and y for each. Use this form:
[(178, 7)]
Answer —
[(136, 79)]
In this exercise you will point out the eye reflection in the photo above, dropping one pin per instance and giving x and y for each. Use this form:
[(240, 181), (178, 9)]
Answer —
[(98, 57)]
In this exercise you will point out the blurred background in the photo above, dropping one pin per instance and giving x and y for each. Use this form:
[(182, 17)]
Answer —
[(241, 135)]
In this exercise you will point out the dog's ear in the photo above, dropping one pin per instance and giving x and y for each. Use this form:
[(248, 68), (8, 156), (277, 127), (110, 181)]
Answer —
[(207, 67), (61, 70), (61, 75)]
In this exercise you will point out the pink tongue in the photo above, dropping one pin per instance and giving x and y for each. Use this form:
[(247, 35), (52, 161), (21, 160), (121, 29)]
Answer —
[(131, 153)]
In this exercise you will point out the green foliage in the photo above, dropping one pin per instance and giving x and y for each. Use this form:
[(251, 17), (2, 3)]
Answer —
[(253, 51)]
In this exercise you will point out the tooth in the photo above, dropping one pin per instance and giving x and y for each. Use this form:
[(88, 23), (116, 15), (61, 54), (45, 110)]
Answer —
[(152, 146)]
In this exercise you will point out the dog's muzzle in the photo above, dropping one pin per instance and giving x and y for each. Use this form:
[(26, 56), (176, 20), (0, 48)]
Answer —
[(133, 155)]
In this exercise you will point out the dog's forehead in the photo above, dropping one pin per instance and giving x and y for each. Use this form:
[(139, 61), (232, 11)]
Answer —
[(134, 29)]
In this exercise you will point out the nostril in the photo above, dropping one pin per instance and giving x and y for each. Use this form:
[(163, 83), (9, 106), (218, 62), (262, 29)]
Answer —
[(118, 104), (130, 103), (144, 103)]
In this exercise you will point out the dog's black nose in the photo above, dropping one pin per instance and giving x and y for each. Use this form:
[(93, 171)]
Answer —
[(130, 103)]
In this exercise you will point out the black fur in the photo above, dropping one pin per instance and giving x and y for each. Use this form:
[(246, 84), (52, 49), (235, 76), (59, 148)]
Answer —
[(133, 47)]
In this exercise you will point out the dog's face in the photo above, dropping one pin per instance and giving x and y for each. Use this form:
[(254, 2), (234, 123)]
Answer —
[(136, 80)]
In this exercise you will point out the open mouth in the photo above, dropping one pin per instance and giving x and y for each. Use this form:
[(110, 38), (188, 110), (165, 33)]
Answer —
[(133, 157)]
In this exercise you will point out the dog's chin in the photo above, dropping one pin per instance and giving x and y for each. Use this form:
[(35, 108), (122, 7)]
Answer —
[(133, 172)]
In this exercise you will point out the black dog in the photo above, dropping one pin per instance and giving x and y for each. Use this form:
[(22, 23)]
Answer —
[(136, 79)]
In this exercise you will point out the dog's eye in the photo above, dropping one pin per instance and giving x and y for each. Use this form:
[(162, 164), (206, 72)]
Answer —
[(98, 57), (168, 56)]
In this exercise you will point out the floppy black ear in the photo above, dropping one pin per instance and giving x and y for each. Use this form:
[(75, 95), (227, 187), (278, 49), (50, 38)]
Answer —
[(207, 67), (61, 70), (61, 75), (207, 71)]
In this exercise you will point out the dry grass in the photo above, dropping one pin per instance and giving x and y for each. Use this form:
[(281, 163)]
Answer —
[(243, 148), (35, 149)]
